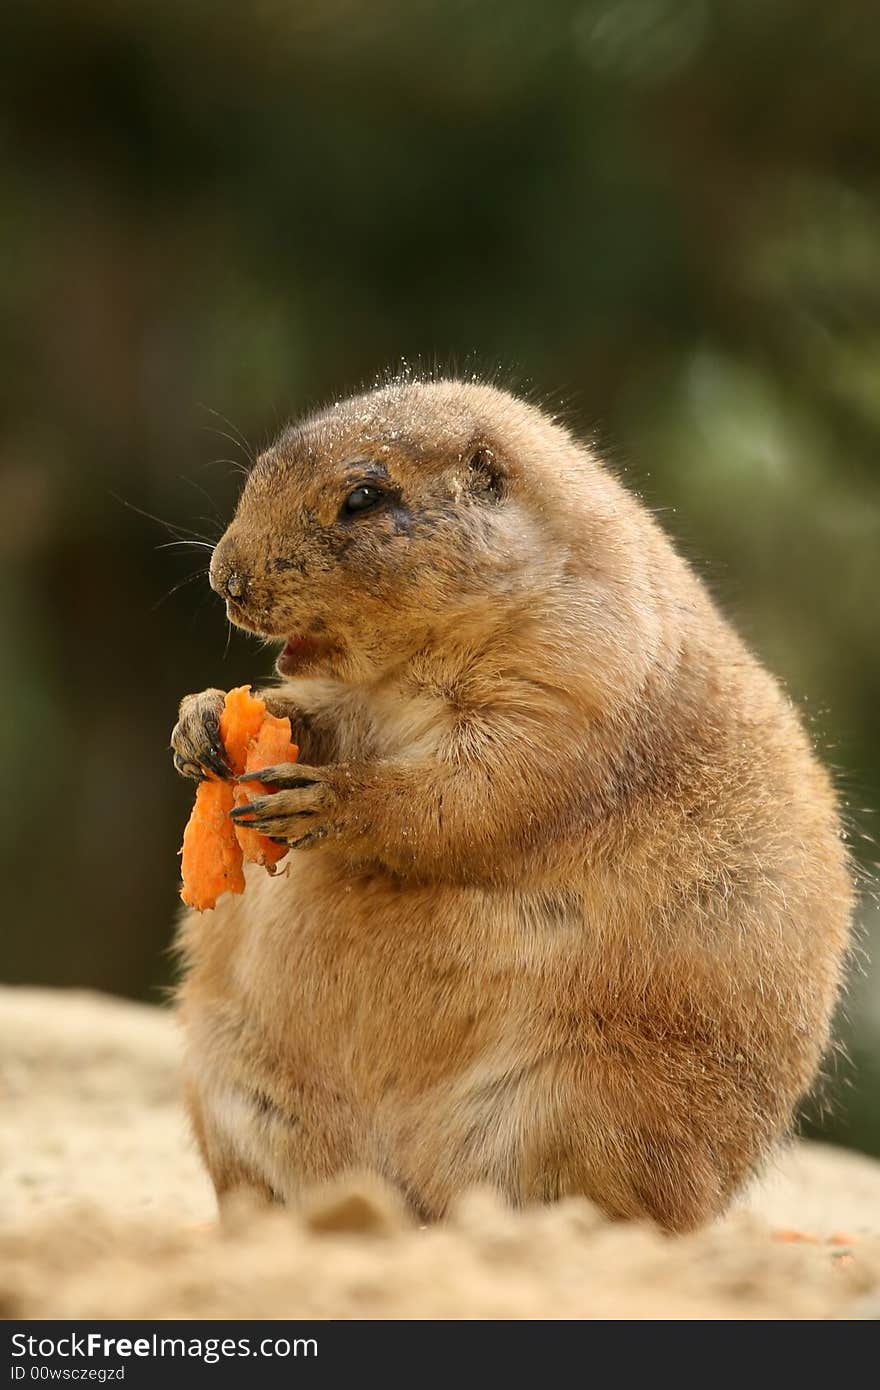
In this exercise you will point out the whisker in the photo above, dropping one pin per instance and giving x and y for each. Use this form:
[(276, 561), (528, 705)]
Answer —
[(235, 464), (236, 438), (240, 467), (187, 579), (200, 608), (169, 526), (168, 545), (207, 496)]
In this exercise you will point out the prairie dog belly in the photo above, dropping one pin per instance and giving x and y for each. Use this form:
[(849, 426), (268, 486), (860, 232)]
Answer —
[(324, 1032)]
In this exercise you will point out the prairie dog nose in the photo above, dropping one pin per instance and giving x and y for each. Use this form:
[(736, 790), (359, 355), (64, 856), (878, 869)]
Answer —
[(227, 576)]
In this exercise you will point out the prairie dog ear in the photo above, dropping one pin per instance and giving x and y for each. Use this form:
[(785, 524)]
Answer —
[(485, 476)]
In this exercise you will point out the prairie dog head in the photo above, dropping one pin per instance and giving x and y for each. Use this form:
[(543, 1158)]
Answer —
[(421, 510)]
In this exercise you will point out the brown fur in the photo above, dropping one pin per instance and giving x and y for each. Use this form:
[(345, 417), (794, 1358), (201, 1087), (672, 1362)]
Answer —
[(571, 901)]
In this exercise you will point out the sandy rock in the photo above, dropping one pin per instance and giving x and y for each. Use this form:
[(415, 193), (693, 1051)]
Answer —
[(105, 1211)]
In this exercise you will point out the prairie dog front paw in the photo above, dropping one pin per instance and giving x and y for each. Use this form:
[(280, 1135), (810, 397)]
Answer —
[(195, 739), (301, 806)]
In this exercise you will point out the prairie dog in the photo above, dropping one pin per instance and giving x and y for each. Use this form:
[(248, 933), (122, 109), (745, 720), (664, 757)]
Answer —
[(568, 900)]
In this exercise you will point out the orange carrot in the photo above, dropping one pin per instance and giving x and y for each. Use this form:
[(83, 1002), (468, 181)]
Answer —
[(240, 721), (211, 862), (213, 847), (272, 745)]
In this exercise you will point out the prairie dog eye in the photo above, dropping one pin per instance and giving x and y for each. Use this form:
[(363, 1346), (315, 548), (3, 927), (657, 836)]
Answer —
[(362, 498)]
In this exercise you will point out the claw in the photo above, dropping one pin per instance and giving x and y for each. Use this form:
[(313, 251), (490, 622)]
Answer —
[(219, 766), (187, 768), (219, 752), (247, 813), (306, 839)]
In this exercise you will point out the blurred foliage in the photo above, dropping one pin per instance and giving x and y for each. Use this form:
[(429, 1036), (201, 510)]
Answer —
[(665, 213)]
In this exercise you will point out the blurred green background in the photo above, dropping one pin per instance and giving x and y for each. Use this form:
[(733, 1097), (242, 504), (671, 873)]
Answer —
[(663, 213)]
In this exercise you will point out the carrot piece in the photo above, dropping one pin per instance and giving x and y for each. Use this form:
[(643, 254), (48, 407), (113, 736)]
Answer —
[(240, 721), (212, 856), (271, 745), (211, 862)]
